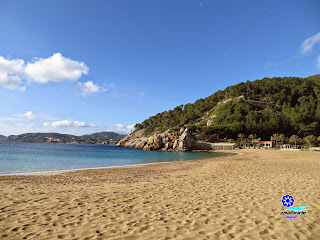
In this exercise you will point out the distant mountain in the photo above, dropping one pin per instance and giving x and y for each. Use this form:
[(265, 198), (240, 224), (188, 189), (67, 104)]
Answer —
[(1, 136), (95, 138), (105, 136)]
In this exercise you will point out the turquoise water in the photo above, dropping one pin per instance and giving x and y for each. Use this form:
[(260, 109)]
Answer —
[(16, 158)]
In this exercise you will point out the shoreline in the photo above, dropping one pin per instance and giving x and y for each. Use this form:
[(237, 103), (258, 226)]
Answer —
[(49, 172), (235, 197)]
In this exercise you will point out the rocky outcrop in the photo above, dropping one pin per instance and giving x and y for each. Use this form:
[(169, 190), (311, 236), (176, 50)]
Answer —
[(167, 141), (134, 140)]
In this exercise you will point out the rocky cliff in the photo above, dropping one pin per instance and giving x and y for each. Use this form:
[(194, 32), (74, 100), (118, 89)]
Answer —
[(168, 141)]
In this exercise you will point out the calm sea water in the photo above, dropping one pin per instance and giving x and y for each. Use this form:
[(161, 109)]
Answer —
[(45, 157)]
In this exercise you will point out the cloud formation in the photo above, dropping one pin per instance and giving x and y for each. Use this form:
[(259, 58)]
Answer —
[(9, 73), (28, 115), (15, 73), (55, 68), (87, 88), (11, 82), (120, 128), (68, 123), (19, 117), (309, 43)]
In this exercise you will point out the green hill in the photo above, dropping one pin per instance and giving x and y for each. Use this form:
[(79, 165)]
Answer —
[(287, 105)]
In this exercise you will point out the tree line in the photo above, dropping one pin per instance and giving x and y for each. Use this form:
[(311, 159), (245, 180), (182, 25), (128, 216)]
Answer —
[(280, 139), (287, 105)]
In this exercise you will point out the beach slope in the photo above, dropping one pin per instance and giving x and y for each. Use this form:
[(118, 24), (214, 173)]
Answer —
[(234, 197)]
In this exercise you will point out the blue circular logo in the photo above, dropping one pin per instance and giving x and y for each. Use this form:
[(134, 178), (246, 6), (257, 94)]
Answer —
[(287, 200)]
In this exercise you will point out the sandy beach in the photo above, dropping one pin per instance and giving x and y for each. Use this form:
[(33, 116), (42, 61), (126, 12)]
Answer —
[(237, 197)]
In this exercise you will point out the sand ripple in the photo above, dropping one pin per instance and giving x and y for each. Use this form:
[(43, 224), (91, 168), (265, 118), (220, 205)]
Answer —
[(237, 197)]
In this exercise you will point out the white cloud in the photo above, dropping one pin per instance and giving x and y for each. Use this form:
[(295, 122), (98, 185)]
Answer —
[(68, 123), (15, 66), (11, 82), (318, 59), (309, 43), (120, 128), (55, 68), (14, 73), (28, 115), (87, 88), (19, 117), (9, 73)]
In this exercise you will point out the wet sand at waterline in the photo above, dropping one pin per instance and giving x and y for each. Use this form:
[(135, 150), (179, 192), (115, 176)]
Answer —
[(236, 197)]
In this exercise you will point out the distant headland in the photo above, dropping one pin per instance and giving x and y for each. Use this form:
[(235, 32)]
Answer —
[(94, 138), (282, 109)]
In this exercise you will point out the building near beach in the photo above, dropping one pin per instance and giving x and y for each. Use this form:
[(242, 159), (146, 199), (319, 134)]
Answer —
[(213, 146), (259, 143), (266, 144), (223, 146), (288, 147)]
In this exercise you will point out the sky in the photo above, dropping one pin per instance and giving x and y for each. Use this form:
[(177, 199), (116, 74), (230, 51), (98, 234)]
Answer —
[(80, 66)]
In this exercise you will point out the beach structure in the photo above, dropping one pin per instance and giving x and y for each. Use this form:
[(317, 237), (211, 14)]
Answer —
[(213, 146), (291, 147), (266, 144), (223, 146), (286, 146), (259, 143), (315, 149)]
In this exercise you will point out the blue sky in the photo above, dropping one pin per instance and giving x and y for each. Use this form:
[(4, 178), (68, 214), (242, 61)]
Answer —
[(86, 66)]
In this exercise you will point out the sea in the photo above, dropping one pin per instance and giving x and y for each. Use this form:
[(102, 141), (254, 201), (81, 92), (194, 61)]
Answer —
[(33, 158)]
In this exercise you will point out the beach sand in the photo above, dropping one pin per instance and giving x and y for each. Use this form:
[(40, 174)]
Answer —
[(237, 197)]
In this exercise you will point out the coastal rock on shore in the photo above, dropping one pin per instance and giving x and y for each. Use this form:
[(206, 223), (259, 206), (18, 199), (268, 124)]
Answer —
[(167, 141)]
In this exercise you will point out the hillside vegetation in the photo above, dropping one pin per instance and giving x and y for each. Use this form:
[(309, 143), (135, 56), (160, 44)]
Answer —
[(287, 105)]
